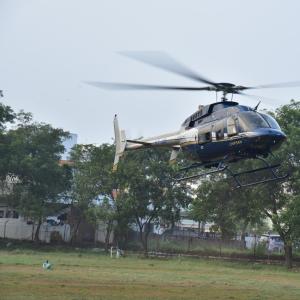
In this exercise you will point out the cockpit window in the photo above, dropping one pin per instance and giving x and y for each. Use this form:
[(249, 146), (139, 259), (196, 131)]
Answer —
[(250, 120), (271, 121)]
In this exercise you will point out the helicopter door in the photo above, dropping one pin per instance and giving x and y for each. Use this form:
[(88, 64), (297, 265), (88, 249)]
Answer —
[(218, 130), (231, 127), (204, 134)]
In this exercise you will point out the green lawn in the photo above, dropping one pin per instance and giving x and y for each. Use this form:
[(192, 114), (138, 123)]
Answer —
[(95, 276)]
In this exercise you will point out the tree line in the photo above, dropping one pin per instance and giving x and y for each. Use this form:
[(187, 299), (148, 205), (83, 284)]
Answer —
[(143, 191)]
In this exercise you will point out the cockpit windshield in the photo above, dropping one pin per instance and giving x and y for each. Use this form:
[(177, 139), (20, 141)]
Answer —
[(250, 120), (271, 121)]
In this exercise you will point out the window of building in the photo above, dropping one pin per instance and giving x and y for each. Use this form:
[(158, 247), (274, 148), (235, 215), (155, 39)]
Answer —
[(8, 214), (1, 213), (15, 214)]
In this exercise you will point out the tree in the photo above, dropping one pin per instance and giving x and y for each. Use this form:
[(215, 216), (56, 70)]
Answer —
[(7, 115), (93, 182), (41, 182), (148, 192), (213, 203), (231, 211), (104, 213), (280, 201)]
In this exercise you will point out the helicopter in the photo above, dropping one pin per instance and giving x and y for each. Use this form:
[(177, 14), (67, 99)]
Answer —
[(213, 137)]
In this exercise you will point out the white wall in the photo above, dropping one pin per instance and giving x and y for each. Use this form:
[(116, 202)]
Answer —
[(101, 232), (18, 229)]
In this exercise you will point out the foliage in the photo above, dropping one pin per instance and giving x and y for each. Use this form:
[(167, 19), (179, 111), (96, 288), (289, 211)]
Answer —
[(103, 213), (31, 172), (7, 115), (41, 181), (230, 210), (92, 184), (277, 201), (280, 202), (148, 191), (212, 205)]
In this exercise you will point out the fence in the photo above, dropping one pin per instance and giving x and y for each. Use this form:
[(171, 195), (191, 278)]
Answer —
[(186, 242)]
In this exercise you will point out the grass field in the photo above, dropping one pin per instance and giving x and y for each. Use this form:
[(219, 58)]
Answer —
[(87, 275)]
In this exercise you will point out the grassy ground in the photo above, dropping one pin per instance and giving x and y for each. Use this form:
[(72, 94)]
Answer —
[(81, 276)]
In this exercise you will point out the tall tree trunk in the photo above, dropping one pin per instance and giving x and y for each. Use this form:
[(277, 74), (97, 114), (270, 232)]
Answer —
[(288, 253), (107, 235), (243, 235), (37, 232), (75, 231), (144, 237), (147, 231), (141, 233), (288, 248)]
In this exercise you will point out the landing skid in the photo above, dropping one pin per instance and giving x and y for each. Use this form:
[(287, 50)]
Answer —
[(221, 167)]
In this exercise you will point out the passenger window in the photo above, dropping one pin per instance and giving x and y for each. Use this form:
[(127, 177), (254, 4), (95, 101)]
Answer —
[(207, 136), (8, 214), (219, 134), (231, 127), (15, 215), (219, 130), (213, 135)]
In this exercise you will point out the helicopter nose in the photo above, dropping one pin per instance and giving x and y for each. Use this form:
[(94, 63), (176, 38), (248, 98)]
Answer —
[(276, 139), (279, 137), (269, 139)]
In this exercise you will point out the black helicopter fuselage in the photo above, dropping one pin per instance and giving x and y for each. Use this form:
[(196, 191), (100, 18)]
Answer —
[(216, 134), (229, 131)]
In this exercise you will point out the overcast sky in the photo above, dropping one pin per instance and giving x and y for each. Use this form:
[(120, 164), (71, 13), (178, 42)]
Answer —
[(49, 47)]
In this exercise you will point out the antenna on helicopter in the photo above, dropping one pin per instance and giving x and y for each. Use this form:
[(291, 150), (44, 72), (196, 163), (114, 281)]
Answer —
[(256, 107)]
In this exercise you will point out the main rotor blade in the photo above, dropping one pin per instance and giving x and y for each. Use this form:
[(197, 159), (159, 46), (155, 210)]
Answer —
[(276, 85), (163, 61), (129, 86), (256, 97)]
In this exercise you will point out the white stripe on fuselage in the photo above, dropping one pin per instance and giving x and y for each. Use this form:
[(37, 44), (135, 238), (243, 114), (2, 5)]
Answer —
[(168, 140)]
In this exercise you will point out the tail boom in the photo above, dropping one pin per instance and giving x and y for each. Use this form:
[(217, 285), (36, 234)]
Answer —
[(170, 140)]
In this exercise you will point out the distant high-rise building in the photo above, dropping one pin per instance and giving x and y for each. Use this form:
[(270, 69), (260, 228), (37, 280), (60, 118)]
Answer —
[(69, 143)]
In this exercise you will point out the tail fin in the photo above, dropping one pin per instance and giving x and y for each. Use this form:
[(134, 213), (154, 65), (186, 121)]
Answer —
[(120, 141)]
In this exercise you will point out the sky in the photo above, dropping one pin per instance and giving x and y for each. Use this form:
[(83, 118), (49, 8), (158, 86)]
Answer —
[(48, 48)]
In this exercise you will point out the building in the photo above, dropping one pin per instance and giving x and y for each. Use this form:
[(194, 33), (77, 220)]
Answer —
[(56, 228), (69, 143)]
